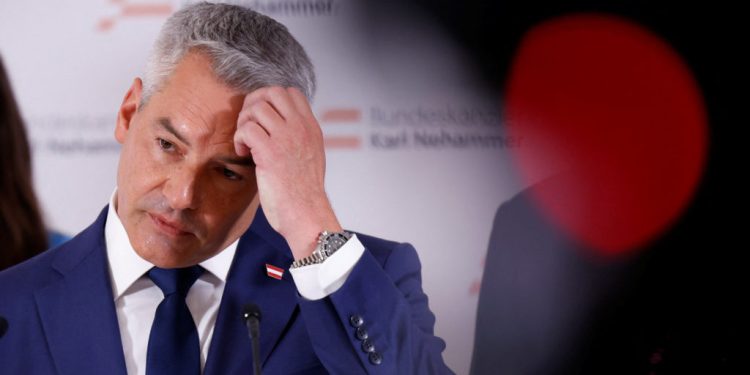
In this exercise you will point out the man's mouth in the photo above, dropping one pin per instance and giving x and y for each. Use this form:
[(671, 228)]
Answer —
[(171, 228)]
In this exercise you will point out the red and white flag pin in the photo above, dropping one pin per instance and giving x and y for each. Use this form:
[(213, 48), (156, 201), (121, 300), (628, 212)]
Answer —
[(273, 271)]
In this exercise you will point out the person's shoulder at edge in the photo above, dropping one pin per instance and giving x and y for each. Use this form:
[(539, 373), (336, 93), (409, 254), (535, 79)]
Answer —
[(30, 274), (38, 271)]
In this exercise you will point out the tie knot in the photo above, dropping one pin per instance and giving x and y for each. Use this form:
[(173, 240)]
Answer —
[(175, 280)]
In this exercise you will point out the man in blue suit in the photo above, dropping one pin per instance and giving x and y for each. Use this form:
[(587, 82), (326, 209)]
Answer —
[(219, 127)]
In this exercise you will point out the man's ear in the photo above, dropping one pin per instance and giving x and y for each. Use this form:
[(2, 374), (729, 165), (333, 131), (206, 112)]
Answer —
[(128, 109)]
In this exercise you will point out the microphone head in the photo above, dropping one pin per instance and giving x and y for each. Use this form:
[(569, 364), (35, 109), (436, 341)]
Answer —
[(3, 326), (250, 310)]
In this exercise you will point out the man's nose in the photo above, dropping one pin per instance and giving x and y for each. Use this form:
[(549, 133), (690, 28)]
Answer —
[(181, 188)]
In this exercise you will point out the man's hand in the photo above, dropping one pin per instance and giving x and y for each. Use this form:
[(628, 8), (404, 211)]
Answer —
[(278, 129)]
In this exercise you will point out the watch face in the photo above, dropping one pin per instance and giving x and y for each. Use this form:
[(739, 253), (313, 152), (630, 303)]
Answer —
[(333, 242)]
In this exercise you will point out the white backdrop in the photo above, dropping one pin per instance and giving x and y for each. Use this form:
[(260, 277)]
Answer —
[(416, 149)]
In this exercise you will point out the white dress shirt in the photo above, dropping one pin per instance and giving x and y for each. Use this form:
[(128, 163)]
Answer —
[(137, 297)]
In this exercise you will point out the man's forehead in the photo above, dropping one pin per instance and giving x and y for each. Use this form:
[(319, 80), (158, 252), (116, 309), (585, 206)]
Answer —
[(193, 133)]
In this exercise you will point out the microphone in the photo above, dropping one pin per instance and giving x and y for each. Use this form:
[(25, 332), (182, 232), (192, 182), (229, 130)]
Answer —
[(251, 317), (3, 326)]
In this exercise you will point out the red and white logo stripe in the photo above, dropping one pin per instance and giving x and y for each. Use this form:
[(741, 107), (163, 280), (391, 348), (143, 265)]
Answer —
[(273, 271)]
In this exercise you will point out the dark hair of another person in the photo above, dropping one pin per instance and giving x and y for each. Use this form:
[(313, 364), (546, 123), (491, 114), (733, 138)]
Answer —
[(22, 231)]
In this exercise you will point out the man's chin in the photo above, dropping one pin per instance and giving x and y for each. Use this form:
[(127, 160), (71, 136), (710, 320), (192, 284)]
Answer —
[(174, 263), (168, 259), (164, 253)]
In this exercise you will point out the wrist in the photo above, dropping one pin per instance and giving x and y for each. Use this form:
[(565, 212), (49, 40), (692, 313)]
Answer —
[(303, 238)]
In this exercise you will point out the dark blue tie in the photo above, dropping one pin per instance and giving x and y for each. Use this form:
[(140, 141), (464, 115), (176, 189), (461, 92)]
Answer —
[(173, 345)]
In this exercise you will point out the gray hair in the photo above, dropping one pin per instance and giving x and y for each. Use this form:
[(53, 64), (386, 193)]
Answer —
[(248, 50)]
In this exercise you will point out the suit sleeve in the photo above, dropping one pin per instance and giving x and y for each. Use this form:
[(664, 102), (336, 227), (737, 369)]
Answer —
[(379, 321)]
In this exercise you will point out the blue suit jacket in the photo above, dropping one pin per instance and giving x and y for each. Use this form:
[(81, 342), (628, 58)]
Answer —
[(62, 320)]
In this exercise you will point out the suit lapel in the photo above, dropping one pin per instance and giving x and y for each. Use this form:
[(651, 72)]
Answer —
[(78, 312), (248, 282)]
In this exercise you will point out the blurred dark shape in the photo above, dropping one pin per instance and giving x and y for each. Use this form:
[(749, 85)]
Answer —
[(678, 307), (546, 306), (539, 290), (22, 231)]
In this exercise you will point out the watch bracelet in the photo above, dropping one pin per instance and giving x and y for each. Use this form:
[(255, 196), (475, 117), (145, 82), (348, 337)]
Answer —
[(314, 258), (317, 257)]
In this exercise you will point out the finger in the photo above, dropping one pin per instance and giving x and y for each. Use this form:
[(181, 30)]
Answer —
[(246, 116), (250, 138), (303, 106), (266, 116), (277, 97), (301, 103)]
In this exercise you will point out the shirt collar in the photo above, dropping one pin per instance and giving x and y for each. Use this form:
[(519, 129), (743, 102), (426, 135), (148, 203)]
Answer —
[(126, 266)]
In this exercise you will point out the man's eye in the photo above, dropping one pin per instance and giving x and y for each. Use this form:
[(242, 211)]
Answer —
[(165, 145), (230, 174)]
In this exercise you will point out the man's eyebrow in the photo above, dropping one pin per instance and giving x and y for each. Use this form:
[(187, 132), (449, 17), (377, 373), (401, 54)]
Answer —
[(167, 125), (245, 162)]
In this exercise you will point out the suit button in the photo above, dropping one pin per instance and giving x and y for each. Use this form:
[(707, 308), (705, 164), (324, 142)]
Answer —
[(362, 333), (356, 321), (376, 358), (368, 346)]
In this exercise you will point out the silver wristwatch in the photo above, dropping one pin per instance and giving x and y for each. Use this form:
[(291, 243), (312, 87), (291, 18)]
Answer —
[(328, 243)]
